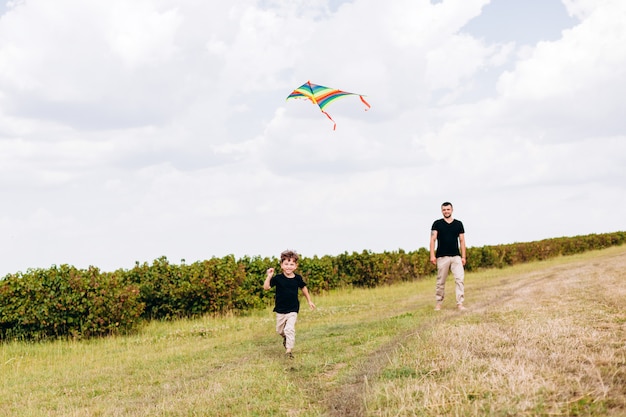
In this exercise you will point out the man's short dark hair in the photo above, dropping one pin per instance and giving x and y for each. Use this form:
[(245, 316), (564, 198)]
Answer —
[(447, 203)]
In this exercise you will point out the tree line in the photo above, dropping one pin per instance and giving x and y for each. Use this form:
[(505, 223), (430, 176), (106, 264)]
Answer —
[(67, 302)]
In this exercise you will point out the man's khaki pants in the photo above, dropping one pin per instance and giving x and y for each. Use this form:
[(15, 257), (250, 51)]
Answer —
[(446, 264)]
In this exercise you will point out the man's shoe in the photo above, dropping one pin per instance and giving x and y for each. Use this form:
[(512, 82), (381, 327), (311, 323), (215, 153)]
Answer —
[(438, 307), (289, 355)]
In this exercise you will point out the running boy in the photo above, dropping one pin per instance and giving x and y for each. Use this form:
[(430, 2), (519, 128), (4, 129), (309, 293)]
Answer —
[(287, 303)]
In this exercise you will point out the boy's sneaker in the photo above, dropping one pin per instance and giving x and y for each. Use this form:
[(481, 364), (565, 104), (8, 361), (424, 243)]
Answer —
[(438, 307), (289, 355)]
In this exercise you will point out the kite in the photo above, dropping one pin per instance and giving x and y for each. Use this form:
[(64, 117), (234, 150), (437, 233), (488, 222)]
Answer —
[(322, 96)]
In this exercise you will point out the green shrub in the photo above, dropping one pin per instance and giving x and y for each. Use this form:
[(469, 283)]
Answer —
[(172, 291), (65, 301)]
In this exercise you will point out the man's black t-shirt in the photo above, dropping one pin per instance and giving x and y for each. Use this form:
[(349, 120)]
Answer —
[(448, 237), (287, 300)]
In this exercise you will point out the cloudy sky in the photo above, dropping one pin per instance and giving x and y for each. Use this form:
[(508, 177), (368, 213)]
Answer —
[(131, 130)]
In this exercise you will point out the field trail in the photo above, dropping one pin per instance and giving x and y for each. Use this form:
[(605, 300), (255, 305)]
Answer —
[(581, 290), (539, 339)]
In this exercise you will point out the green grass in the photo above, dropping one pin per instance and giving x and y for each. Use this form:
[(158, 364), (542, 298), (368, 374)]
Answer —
[(541, 339)]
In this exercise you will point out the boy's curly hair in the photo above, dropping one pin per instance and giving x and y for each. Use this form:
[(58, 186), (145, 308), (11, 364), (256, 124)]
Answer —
[(290, 255)]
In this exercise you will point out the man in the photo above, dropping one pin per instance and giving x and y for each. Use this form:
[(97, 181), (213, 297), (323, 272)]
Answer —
[(449, 235)]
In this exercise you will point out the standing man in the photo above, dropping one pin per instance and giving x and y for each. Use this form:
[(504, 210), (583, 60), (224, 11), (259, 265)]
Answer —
[(449, 234)]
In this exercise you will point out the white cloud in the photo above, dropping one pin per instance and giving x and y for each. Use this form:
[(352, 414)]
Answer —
[(587, 58), (142, 36), (130, 131), (573, 86), (581, 9)]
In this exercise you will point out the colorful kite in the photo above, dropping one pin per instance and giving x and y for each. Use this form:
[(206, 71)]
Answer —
[(322, 96)]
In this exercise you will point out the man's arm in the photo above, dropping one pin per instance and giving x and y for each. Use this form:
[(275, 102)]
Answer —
[(463, 250), (433, 239)]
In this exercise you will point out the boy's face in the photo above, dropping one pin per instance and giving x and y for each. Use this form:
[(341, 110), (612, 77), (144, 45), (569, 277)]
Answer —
[(288, 266)]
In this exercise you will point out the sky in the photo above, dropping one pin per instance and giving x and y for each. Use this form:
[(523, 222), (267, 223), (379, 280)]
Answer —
[(135, 130)]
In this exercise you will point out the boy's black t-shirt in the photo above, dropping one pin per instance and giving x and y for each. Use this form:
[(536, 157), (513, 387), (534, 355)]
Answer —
[(287, 300), (448, 237)]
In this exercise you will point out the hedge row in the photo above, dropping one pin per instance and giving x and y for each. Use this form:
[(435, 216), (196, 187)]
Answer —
[(68, 302), (516, 253)]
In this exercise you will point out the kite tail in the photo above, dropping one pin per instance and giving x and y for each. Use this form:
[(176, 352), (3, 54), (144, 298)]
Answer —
[(331, 119), (365, 102)]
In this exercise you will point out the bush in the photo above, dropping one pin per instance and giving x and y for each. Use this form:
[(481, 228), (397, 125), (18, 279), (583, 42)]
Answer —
[(172, 291), (65, 301)]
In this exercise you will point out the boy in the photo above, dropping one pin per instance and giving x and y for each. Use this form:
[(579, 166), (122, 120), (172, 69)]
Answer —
[(287, 304)]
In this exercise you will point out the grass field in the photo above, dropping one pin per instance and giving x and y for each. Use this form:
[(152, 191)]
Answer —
[(541, 339)]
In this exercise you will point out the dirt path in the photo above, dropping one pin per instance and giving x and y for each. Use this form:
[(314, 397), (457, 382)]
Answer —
[(552, 284)]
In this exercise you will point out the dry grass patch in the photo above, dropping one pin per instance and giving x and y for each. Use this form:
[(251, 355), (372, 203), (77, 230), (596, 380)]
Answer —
[(552, 342)]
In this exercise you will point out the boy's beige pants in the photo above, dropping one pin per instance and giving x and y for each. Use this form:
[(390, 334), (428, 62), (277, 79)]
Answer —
[(286, 327)]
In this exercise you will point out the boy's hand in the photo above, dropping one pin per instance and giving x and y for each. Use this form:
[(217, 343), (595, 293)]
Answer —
[(268, 278), (311, 305)]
